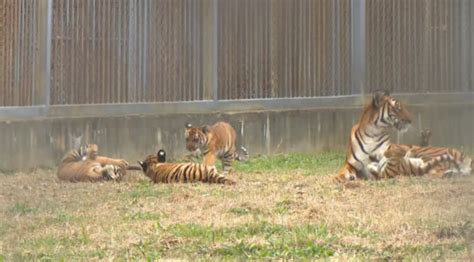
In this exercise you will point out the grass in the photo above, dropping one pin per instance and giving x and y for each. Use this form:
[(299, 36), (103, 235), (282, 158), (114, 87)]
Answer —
[(284, 206), (310, 164)]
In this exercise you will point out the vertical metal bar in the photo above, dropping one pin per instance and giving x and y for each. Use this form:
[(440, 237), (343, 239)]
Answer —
[(43, 67), (358, 65), (210, 52), (132, 52), (215, 44)]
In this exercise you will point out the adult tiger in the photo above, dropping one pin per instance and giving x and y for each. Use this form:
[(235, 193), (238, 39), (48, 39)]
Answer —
[(412, 160), (216, 141), (76, 167), (370, 137), (155, 168)]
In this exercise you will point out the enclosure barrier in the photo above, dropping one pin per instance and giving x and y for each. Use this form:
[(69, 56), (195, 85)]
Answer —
[(137, 53)]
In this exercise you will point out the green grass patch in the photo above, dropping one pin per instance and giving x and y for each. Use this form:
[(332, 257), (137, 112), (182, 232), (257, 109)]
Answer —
[(139, 215), (240, 211), (276, 241), (22, 209), (310, 164)]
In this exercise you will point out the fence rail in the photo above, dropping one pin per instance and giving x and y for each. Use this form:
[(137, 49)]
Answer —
[(74, 52)]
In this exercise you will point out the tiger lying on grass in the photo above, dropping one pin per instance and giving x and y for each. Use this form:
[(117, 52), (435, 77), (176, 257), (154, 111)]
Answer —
[(156, 169), (80, 165), (411, 160), (216, 141), (370, 154)]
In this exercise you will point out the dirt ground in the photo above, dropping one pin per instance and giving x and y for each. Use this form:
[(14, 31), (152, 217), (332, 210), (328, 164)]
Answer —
[(287, 213)]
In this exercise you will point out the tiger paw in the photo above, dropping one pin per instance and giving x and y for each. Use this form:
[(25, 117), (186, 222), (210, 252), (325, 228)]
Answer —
[(112, 172), (122, 163)]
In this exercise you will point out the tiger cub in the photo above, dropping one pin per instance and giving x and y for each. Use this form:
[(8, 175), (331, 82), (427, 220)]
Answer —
[(414, 160), (216, 141), (157, 170), (76, 167)]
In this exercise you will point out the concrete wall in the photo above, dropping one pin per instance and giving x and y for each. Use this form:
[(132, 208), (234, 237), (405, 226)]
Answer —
[(42, 142)]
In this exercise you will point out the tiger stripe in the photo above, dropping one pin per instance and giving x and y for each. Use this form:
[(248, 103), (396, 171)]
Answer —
[(216, 141), (370, 136), (158, 171)]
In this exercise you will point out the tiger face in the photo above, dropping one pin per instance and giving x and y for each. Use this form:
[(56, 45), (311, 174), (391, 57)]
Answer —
[(92, 151), (195, 138), (160, 157), (391, 112)]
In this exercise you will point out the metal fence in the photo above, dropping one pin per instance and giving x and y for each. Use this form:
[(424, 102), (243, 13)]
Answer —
[(69, 52), (420, 46), (283, 48), (18, 41)]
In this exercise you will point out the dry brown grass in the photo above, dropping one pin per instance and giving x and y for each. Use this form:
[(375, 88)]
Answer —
[(268, 214)]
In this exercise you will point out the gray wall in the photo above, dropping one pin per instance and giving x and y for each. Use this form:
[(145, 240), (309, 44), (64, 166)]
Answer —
[(41, 142)]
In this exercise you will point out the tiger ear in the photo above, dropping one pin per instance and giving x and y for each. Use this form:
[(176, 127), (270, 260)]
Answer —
[(205, 129), (161, 155), (377, 97), (188, 126), (142, 164)]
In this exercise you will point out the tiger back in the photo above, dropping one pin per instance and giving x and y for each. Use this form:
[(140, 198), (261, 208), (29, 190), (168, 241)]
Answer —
[(446, 161), (158, 171), (216, 141)]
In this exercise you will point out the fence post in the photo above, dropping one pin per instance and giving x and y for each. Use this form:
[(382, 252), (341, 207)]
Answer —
[(210, 52), (358, 63), (42, 87)]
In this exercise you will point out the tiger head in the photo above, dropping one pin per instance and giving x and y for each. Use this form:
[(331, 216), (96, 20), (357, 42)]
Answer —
[(160, 157), (92, 151), (390, 111), (196, 138)]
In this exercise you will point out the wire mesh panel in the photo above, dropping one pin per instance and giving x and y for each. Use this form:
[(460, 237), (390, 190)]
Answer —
[(283, 48), (420, 46), (18, 41), (126, 51)]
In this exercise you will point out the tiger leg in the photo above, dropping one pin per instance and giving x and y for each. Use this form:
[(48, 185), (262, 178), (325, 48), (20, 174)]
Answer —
[(112, 161), (215, 177), (107, 172), (227, 160), (209, 159), (346, 173)]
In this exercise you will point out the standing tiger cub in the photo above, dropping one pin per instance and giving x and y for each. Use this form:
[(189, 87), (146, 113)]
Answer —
[(157, 170), (216, 141)]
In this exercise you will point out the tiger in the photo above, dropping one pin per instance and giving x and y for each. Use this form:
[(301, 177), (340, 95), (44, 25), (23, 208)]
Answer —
[(425, 137), (156, 168), (412, 160), (370, 136), (76, 167), (216, 141)]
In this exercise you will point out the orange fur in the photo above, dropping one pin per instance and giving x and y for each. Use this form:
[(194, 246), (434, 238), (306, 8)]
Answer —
[(370, 136), (214, 142), (161, 172), (76, 167)]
